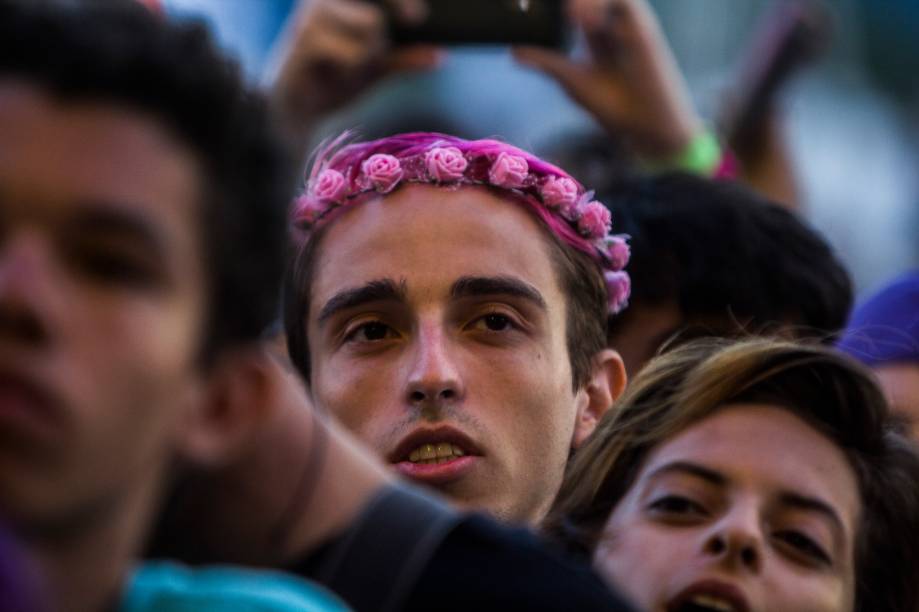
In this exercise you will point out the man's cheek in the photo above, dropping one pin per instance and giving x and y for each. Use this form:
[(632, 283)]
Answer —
[(352, 396)]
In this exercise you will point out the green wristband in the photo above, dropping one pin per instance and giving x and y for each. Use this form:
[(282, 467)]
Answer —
[(701, 156)]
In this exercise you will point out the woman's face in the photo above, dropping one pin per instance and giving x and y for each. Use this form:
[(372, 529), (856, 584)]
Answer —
[(750, 509)]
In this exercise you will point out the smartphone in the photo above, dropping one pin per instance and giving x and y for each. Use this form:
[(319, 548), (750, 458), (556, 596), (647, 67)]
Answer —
[(487, 22), (793, 34)]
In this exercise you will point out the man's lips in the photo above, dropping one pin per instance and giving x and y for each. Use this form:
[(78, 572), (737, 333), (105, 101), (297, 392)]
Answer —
[(26, 407), (435, 455), (437, 473), (709, 596)]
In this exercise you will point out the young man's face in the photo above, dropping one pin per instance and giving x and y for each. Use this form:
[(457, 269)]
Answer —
[(437, 334), (101, 303)]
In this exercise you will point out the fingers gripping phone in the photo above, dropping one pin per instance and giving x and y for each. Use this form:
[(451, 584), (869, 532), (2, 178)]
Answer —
[(482, 22)]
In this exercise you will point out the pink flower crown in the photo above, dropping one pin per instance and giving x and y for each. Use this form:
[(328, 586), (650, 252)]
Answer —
[(340, 175)]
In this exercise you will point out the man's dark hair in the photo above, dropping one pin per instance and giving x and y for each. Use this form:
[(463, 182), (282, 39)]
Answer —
[(119, 52), (728, 257)]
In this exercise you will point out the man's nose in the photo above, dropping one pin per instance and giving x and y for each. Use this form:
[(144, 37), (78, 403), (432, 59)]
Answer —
[(737, 540), (24, 272), (434, 378)]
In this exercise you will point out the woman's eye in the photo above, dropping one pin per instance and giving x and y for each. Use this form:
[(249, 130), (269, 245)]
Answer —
[(804, 545), (370, 332), (677, 505)]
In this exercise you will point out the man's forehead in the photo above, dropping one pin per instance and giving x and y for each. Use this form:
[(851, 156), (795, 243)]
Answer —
[(427, 236), (57, 152)]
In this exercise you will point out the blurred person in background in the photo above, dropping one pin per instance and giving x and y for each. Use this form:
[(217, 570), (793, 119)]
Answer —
[(134, 164), (713, 258), (753, 475), (883, 333)]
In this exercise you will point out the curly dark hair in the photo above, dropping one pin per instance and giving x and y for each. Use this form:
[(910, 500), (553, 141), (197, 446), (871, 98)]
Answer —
[(726, 255), (119, 52)]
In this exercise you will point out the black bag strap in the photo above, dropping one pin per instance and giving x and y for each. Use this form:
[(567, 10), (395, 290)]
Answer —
[(379, 559)]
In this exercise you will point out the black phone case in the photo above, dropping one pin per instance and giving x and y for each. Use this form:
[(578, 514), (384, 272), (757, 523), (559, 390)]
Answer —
[(483, 22)]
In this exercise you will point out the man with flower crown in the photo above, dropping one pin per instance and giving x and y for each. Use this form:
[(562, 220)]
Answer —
[(448, 305)]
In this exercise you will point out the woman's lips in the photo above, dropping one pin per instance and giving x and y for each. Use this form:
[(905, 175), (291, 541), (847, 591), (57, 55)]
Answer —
[(712, 595)]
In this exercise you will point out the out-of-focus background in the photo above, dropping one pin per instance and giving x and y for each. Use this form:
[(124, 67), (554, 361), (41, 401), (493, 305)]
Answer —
[(851, 121)]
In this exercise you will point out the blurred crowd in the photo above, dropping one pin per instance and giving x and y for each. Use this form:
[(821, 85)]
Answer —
[(246, 364)]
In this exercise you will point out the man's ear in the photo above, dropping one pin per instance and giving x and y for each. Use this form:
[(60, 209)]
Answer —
[(242, 395), (606, 384)]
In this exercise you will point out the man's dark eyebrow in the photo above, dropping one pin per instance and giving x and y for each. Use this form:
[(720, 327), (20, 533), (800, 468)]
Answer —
[(803, 502), (101, 219), (693, 469), (475, 286), (384, 289)]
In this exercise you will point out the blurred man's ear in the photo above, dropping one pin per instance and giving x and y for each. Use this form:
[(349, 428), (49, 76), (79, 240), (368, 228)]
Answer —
[(606, 384), (243, 390)]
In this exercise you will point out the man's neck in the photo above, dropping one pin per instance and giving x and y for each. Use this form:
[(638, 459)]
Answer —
[(84, 566)]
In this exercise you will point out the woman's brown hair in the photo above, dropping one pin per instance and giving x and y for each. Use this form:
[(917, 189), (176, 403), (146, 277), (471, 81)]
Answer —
[(827, 390)]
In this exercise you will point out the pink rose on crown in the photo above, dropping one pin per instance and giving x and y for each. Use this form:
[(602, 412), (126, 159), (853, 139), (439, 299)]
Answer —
[(445, 164), (508, 171), (618, 252), (329, 186), (560, 192), (618, 288), (383, 171), (594, 220)]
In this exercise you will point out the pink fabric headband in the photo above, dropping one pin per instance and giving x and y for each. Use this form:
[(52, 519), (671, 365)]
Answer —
[(342, 173)]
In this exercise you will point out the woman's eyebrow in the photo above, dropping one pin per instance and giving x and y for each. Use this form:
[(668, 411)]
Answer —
[(813, 504), (693, 469)]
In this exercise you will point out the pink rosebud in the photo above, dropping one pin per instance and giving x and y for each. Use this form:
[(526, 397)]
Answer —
[(618, 252), (595, 220), (560, 192), (383, 171), (508, 171), (445, 164), (618, 288), (307, 209), (329, 186)]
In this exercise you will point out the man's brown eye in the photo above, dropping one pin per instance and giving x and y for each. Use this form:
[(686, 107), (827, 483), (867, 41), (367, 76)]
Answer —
[(115, 268), (370, 332), (375, 331), (497, 322)]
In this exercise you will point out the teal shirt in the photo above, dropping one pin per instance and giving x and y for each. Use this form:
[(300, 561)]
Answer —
[(169, 587)]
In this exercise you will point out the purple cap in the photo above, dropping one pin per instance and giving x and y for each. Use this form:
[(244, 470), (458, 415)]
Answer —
[(885, 328)]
